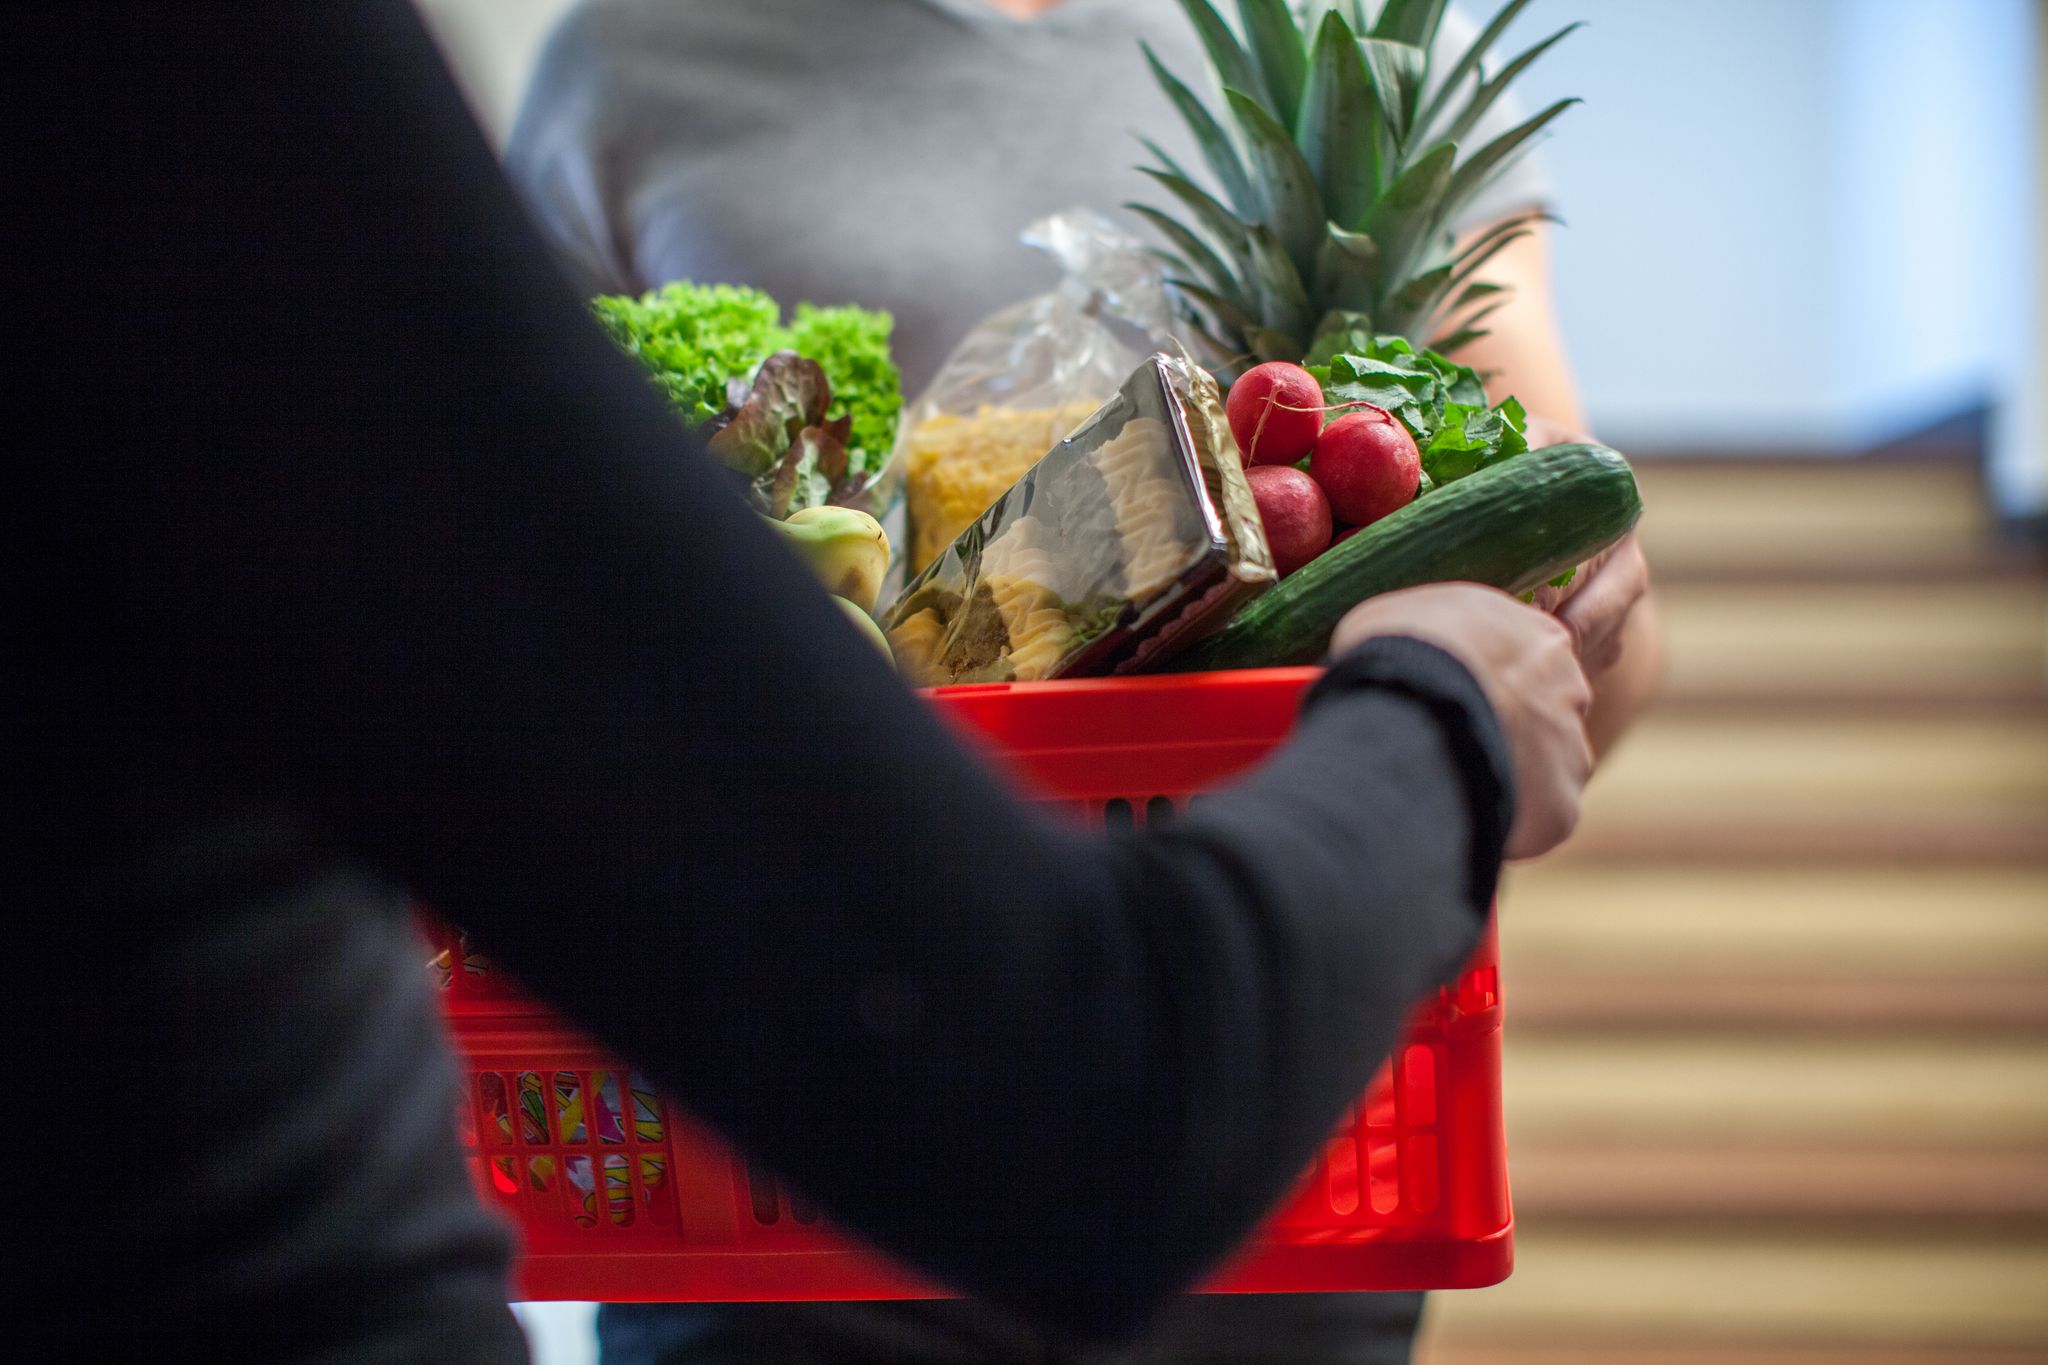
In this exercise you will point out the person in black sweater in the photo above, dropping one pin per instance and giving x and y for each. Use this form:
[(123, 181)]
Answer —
[(350, 566)]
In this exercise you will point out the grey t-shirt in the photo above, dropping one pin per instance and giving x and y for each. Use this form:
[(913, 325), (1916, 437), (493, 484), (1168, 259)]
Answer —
[(879, 152)]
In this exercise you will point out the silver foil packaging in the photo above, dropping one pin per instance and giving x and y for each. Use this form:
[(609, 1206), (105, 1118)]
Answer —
[(1124, 543)]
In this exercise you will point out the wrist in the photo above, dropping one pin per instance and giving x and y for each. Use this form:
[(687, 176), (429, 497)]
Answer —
[(1448, 690)]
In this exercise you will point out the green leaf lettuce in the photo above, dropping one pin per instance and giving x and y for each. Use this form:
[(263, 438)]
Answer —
[(705, 346)]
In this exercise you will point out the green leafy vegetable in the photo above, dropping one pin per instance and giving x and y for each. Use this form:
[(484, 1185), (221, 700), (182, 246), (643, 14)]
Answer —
[(812, 471), (852, 346), (789, 394), (1442, 403), (694, 338), (779, 437), (709, 348), (1470, 437)]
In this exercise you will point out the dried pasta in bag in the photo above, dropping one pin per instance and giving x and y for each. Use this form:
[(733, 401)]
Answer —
[(1124, 542), (1023, 378), (956, 464)]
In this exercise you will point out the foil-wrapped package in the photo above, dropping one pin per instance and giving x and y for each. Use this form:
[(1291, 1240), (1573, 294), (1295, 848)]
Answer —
[(1126, 542)]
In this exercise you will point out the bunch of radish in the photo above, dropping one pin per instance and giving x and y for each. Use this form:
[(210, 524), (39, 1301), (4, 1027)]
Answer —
[(1361, 466)]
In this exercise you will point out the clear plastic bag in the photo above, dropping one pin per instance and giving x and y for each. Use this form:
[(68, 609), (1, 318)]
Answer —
[(1027, 376), (1128, 540)]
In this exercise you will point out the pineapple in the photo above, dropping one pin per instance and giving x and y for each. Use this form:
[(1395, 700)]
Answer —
[(1338, 155)]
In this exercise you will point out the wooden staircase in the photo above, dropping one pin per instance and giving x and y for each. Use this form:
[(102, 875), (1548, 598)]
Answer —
[(1778, 1019)]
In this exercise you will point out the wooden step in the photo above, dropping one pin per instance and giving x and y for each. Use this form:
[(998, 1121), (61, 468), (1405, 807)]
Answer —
[(1480, 1352), (1703, 767), (1875, 1093), (1825, 517), (1996, 841), (1927, 644), (1989, 562), (1664, 1184), (1800, 948), (1955, 787), (1742, 1290), (1847, 920), (1691, 1001)]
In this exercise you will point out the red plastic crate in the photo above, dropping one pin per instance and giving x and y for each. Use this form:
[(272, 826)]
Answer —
[(618, 1196)]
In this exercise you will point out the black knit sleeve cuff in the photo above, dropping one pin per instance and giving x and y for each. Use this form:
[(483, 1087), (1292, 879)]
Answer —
[(1452, 696)]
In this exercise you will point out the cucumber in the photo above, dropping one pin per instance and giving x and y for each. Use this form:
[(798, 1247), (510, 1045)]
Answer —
[(1513, 525)]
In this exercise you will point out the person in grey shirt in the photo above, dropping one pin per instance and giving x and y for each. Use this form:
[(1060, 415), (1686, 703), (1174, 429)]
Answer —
[(888, 153)]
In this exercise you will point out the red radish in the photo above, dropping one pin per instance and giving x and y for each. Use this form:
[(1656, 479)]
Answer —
[(1275, 411), (1368, 465), (1295, 513)]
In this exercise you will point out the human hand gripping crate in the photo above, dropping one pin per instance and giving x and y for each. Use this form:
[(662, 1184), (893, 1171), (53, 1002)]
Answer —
[(617, 1195)]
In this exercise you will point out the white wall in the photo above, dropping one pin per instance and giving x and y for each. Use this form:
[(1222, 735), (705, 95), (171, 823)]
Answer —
[(1692, 183), (2020, 458), (1936, 221), (1796, 224), (1929, 200)]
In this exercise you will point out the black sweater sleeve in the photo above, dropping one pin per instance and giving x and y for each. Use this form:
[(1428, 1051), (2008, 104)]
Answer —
[(405, 546)]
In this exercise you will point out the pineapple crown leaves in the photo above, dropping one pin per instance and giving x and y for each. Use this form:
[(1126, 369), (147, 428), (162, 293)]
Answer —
[(1337, 149)]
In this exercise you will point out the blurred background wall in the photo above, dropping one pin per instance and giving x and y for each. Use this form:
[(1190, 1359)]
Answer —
[(1799, 226), (1778, 1018)]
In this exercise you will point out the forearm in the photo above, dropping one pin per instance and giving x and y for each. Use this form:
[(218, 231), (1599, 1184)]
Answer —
[(1523, 354), (1622, 692)]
